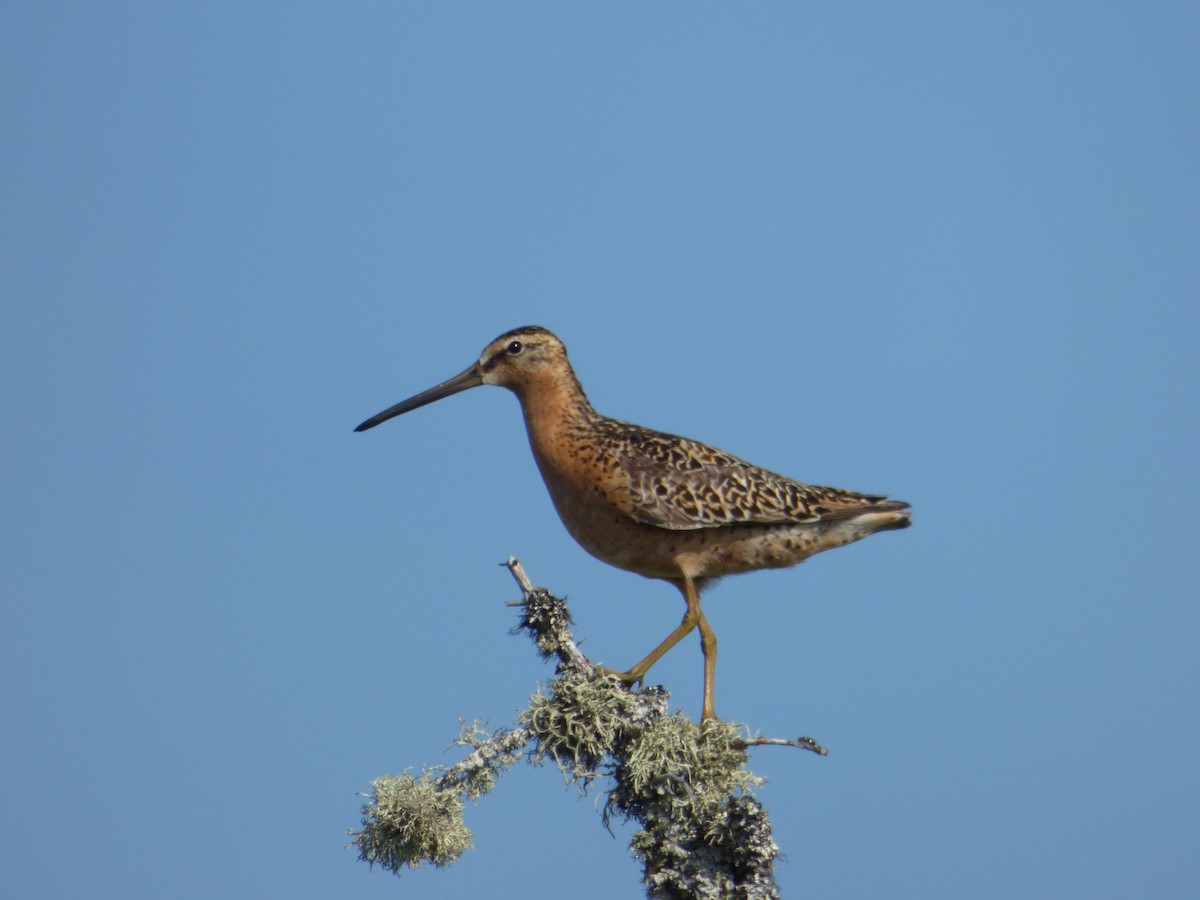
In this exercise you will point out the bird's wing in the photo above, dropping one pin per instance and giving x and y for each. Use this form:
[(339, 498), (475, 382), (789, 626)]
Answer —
[(681, 484)]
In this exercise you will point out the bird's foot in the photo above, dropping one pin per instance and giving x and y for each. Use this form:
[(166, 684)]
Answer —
[(632, 677)]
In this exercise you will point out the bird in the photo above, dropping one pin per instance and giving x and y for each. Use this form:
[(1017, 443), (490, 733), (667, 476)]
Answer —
[(659, 505)]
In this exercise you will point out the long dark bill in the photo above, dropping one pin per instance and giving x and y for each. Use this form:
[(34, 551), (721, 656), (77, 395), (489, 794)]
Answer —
[(461, 382)]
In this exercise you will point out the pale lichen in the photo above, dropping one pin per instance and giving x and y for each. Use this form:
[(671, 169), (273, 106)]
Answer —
[(409, 821), (691, 768), (702, 834), (577, 723)]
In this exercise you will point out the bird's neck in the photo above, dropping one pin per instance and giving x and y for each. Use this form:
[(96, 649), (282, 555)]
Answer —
[(555, 407)]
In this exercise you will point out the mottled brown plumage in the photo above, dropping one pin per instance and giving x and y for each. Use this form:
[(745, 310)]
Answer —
[(662, 506)]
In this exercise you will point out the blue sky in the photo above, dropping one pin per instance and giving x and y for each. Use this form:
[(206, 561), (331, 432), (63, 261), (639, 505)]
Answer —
[(946, 252)]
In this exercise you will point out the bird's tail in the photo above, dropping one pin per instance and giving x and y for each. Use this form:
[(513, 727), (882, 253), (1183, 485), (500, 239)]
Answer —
[(888, 516), (885, 515)]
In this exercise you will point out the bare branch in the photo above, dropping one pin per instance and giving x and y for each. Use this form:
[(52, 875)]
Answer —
[(801, 743)]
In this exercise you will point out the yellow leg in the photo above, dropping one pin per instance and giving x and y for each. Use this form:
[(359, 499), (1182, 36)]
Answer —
[(708, 644), (690, 619), (693, 618)]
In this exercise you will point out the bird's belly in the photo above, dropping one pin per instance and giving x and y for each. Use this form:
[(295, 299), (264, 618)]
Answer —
[(611, 536)]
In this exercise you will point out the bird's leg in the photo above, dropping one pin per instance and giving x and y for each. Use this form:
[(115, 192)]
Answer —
[(708, 644), (693, 618), (690, 619)]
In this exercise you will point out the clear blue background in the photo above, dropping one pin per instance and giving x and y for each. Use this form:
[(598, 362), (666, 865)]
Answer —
[(938, 250)]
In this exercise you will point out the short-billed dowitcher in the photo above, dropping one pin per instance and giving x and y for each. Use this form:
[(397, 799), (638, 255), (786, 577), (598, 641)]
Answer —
[(656, 504)]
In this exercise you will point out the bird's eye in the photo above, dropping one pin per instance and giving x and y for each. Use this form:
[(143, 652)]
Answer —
[(514, 347)]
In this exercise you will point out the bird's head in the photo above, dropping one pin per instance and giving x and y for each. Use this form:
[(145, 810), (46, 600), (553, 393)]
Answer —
[(517, 360)]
